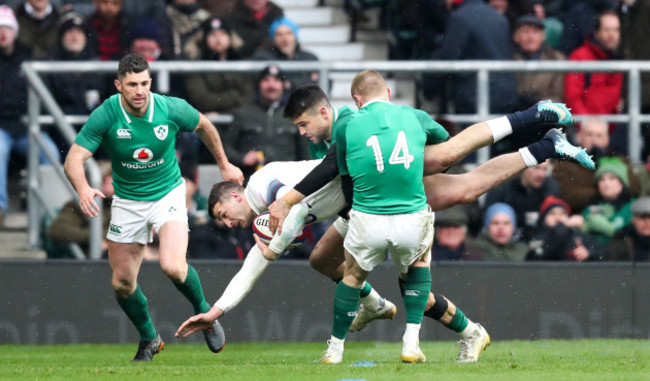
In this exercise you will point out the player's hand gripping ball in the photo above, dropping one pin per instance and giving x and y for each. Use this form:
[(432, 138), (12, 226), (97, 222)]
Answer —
[(261, 228)]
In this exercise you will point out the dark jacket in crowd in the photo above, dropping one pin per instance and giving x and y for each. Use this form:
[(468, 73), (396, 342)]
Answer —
[(580, 21), (461, 253), (252, 34), (40, 35), (558, 242), (70, 89), (13, 90), (629, 245), (476, 31), (257, 127), (297, 79), (535, 87)]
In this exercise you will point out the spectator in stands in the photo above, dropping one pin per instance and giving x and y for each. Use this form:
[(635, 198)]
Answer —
[(71, 225), (497, 242), (251, 21), (576, 184), (449, 243), (13, 102), (215, 240), (558, 236), (579, 22), (284, 34), (38, 24), (525, 194), (609, 211), (259, 134), (218, 8), (109, 30), (597, 93), (635, 30), (184, 18), (529, 40), (215, 92), (632, 243), (476, 31), (76, 93), (147, 40)]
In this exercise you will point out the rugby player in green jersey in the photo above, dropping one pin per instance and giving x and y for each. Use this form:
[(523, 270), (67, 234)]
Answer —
[(311, 111), (138, 130)]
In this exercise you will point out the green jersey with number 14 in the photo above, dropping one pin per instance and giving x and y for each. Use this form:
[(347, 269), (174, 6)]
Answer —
[(382, 149), (142, 150)]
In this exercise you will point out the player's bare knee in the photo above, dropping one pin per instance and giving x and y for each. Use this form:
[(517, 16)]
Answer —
[(430, 301), (123, 287), (174, 271)]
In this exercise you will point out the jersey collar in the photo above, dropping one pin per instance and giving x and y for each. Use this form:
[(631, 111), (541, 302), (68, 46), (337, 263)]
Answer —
[(335, 117), (150, 110), (374, 101)]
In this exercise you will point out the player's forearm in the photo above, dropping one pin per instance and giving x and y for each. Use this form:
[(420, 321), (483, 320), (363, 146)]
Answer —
[(291, 229), (242, 283), (210, 137), (74, 170), (292, 197)]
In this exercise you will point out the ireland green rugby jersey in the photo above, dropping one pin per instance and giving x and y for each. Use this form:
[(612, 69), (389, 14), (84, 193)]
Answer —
[(382, 149), (341, 117), (142, 150)]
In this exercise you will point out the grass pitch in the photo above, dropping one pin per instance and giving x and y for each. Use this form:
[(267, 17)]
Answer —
[(511, 360)]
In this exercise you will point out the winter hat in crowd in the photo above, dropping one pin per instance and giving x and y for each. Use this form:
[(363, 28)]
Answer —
[(146, 29), (69, 21), (551, 202), (7, 18), (499, 207), (454, 216), (271, 70), (283, 21), (641, 206), (614, 166), (215, 23)]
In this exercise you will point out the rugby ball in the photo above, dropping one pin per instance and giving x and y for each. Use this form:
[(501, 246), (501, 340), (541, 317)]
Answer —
[(261, 229)]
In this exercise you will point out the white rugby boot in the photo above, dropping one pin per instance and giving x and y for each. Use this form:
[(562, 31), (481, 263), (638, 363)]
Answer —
[(411, 352), (386, 310), (334, 352), (473, 345)]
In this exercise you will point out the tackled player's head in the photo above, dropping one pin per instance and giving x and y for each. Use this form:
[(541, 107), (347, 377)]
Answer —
[(227, 203), (134, 83), (311, 111), (369, 85)]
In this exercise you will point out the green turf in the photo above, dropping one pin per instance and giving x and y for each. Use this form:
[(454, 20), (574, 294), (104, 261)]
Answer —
[(512, 360)]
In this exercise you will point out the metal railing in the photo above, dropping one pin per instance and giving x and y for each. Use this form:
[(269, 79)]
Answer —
[(38, 94)]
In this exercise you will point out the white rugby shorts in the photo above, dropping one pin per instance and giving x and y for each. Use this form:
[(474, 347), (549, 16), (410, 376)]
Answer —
[(406, 237), (133, 220), (341, 225)]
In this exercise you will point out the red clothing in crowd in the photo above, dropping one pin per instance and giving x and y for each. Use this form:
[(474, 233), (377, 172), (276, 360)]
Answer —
[(592, 93)]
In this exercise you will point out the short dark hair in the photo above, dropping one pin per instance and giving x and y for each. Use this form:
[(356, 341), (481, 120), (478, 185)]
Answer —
[(606, 12), (220, 193), (303, 99), (132, 63)]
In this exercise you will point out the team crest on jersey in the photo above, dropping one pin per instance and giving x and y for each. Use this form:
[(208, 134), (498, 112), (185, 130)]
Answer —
[(143, 155), (161, 131)]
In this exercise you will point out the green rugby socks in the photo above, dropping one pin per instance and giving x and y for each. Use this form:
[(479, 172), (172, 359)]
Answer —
[(193, 291), (135, 307), (346, 303)]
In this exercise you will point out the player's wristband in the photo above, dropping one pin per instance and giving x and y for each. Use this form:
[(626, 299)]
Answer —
[(292, 197)]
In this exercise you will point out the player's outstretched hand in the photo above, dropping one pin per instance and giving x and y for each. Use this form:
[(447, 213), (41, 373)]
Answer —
[(87, 201), (232, 173), (196, 323), (266, 251), (278, 211)]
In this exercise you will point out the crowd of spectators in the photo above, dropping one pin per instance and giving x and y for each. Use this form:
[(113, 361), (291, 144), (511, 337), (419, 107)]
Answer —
[(585, 215)]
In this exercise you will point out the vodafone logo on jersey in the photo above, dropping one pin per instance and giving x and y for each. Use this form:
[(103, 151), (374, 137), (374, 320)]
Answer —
[(143, 155)]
